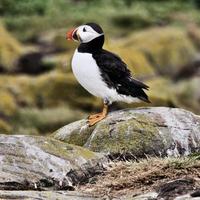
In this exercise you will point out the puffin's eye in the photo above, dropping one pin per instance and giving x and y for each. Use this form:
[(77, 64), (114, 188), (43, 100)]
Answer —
[(84, 30)]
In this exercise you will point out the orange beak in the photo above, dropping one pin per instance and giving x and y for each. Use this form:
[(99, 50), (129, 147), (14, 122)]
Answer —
[(69, 34)]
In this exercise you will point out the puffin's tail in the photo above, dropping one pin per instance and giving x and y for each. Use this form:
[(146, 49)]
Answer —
[(137, 89)]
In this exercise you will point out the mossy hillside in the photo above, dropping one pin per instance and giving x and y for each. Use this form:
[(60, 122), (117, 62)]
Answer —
[(10, 50), (43, 120), (5, 127), (57, 39), (161, 92), (8, 104), (58, 87), (135, 137), (48, 90), (21, 87), (167, 49), (60, 61), (188, 94), (194, 34)]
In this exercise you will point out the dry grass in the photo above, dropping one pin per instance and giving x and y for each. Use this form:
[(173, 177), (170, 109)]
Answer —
[(123, 178)]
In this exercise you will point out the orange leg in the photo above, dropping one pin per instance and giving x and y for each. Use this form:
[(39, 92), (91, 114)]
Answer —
[(93, 119)]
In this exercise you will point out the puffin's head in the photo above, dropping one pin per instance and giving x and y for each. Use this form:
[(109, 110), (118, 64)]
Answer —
[(85, 33)]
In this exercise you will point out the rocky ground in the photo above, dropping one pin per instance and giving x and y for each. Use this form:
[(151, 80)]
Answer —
[(132, 154)]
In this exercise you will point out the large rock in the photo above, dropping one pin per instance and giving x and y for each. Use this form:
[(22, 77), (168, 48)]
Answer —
[(39, 163), (138, 132), (46, 195)]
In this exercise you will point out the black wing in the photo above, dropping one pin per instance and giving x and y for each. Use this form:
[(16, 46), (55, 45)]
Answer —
[(116, 74)]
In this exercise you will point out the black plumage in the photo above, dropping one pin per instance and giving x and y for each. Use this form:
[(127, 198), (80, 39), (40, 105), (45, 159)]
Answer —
[(113, 70), (116, 75)]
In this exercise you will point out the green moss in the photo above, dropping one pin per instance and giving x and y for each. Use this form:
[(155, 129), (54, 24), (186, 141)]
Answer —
[(133, 136), (167, 49), (10, 50), (48, 90), (5, 128), (161, 91), (195, 156), (76, 138), (75, 135), (65, 150), (7, 103)]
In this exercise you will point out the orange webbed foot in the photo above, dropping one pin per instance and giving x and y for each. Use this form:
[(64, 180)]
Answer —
[(95, 118)]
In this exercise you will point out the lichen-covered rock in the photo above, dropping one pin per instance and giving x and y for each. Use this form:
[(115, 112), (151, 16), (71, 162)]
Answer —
[(46, 195), (39, 163), (138, 132)]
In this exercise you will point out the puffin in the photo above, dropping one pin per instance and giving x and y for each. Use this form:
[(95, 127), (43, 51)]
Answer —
[(101, 72)]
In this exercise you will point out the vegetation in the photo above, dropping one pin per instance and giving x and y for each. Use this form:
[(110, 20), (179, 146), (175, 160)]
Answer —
[(123, 178), (34, 17)]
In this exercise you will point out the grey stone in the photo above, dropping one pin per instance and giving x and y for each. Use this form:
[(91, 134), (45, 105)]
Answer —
[(159, 131), (42, 163), (45, 195)]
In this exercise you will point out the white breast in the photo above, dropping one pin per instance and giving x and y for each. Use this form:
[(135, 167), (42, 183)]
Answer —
[(87, 73)]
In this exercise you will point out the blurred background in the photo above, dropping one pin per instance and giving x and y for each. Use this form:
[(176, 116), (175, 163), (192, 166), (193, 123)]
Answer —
[(158, 39)]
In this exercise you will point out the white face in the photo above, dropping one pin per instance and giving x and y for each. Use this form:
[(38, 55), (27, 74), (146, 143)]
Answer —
[(86, 33)]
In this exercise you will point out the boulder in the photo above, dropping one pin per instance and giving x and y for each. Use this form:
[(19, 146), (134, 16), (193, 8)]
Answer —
[(41, 163), (46, 195), (133, 133)]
